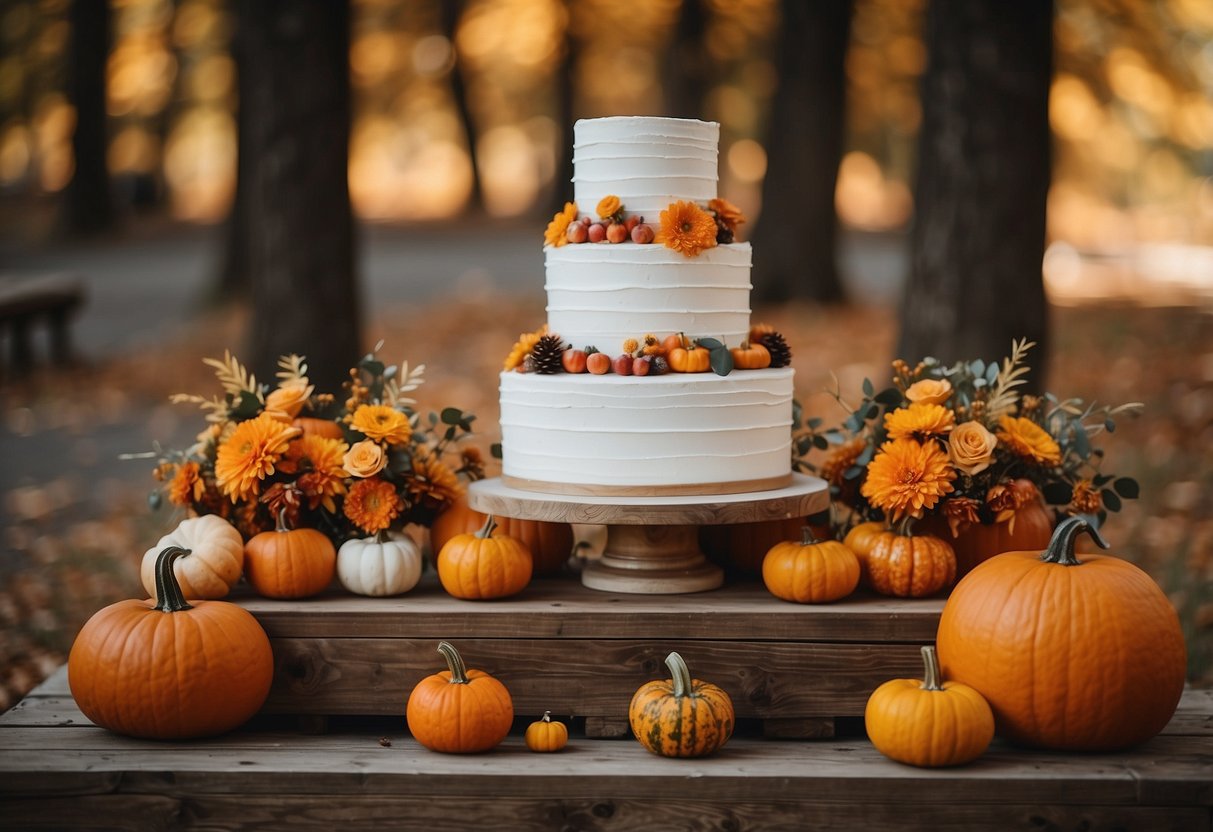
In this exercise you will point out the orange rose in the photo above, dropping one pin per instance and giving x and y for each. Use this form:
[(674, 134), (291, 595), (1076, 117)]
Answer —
[(929, 391), (285, 403), (971, 447), (364, 459), (609, 206)]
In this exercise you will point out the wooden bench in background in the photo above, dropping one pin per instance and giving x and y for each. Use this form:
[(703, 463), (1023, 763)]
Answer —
[(26, 301)]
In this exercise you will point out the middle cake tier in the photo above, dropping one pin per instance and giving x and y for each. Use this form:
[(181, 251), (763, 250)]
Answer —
[(599, 294), (681, 433)]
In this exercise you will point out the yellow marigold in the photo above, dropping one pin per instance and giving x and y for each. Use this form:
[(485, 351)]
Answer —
[(372, 505), (727, 213), (918, 420), (433, 484), (1029, 440), (382, 423), (907, 478), (609, 206), (687, 228), (630, 346), (285, 403), (248, 455), (187, 486), (929, 391), (319, 462), (557, 230), (522, 348)]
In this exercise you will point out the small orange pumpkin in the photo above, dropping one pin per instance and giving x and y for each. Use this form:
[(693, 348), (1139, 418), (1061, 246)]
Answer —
[(910, 566), (459, 711), (551, 544), (681, 716), (481, 566), (289, 563), (311, 426), (165, 669), (929, 722), (545, 735), (810, 571), (695, 359), (751, 356)]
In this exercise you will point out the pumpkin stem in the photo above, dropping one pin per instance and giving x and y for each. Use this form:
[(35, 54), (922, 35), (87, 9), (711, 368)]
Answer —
[(454, 662), (1061, 545), (906, 523), (547, 716), (169, 597), (680, 672), (807, 537), (280, 521), (486, 530), (382, 537), (932, 677)]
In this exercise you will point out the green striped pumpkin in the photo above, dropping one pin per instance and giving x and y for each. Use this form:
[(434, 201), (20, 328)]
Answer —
[(681, 717)]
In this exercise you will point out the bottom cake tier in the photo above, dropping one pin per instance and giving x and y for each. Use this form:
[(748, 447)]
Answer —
[(680, 433)]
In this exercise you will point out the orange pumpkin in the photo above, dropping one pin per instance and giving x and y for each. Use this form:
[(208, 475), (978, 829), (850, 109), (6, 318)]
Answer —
[(694, 359), (1031, 528), (481, 566), (311, 426), (545, 735), (166, 669), (910, 566), (810, 571), (742, 546), (861, 539), (289, 563), (551, 544), (751, 356), (681, 716), (1073, 655), (459, 711)]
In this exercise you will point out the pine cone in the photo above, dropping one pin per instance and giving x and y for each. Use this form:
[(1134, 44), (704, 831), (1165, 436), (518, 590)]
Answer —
[(547, 354), (724, 234), (781, 353)]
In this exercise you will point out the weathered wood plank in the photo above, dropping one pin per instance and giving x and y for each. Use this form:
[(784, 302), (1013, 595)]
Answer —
[(586, 677), (44, 711), (1194, 717), (562, 608), (151, 813)]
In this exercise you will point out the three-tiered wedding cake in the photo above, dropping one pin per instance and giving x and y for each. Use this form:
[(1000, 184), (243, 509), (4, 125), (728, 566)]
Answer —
[(673, 433)]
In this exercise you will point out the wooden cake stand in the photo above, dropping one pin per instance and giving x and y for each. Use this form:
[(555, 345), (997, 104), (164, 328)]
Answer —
[(652, 543)]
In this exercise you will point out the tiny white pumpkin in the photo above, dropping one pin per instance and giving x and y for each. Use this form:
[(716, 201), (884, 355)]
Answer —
[(214, 563), (379, 566)]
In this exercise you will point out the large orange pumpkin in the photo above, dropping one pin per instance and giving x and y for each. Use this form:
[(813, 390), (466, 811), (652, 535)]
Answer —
[(1076, 655), (289, 563), (166, 669), (909, 566), (459, 711), (1031, 528), (551, 544)]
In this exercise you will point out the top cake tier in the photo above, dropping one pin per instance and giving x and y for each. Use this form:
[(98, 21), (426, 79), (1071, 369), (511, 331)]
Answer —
[(647, 162)]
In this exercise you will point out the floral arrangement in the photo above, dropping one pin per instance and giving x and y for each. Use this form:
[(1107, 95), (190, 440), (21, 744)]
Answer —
[(685, 226), (960, 443), (348, 469)]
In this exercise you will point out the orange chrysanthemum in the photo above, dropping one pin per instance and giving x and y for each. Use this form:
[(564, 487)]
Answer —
[(248, 455), (433, 484), (1086, 499), (687, 228), (840, 459), (557, 230), (382, 423), (522, 348), (319, 462), (919, 420), (728, 213), (1029, 440), (907, 478), (373, 504), (187, 486)]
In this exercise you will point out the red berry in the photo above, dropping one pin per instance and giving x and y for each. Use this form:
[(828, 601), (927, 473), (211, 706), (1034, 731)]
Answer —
[(573, 361), (597, 232), (641, 366), (622, 364), (576, 233), (631, 222), (643, 234), (616, 233), (598, 363)]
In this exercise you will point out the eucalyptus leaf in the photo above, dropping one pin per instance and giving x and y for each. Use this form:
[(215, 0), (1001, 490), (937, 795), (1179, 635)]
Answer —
[(868, 389), (247, 406), (871, 411), (1057, 493), (815, 423), (991, 373), (1082, 442), (1110, 424), (853, 472), (889, 397), (372, 366), (1110, 500), (709, 343), (820, 443), (721, 360), (866, 457), (451, 415), (495, 450), (1127, 487)]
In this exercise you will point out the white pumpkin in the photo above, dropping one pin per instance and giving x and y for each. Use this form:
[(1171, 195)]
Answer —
[(379, 567), (214, 563)]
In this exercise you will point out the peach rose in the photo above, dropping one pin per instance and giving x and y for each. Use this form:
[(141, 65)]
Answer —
[(971, 447), (929, 391), (285, 403), (608, 206), (364, 459)]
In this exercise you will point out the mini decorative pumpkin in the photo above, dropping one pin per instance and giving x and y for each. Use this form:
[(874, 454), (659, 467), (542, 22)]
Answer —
[(751, 356), (379, 566), (910, 566), (545, 735), (1031, 528), (459, 711), (550, 544), (311, 426), (166, 669), (810, 571), (481, 566), (681, 717), (695, 359), (212, 562), (1073, 655), (929, 722), (289, 563)]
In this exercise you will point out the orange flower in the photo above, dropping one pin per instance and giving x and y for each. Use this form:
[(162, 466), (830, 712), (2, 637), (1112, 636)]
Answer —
[(840, 459), (609, 206), (522, 348), (557, 230), (372, 505), (365, 459), (1029, 440), (382, 423), (249, 455), (728, 213), (929, 391), (919, 420), (187, 486), (285, 403), (687, 228), (433, 484), (961, 512), (318, 461), (1086, 499), (971, 447), (907, 479)]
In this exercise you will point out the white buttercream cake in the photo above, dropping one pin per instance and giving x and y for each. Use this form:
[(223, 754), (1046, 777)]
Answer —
[(677, 433)]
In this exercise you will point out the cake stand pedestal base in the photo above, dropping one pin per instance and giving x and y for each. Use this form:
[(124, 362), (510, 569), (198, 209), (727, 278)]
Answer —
[(652, 560)]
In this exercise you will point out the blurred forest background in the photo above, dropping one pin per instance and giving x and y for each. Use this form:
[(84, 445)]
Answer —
[(458, 148)]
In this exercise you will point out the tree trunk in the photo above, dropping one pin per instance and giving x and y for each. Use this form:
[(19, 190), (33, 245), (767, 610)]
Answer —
[(978, 235), (795, 240), (301, 234), (452, 12), (688, 74), (89, 202), (235, 280), (562, 188)]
